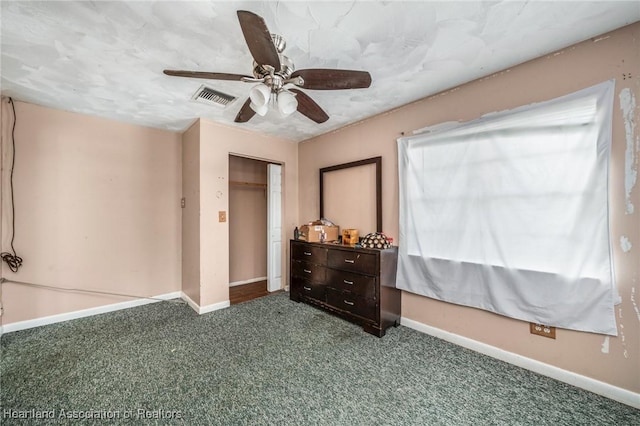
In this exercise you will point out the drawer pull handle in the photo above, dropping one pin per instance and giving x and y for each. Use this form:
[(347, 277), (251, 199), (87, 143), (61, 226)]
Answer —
[(306, 271), (348, 303), (347, 282), (307, 288), (306, 253), (349, 261)]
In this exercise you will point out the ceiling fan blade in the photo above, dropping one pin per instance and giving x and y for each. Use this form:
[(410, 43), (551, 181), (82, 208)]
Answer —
[(208, 75), (258, 38), (309, 108), (327, 79), (246, 113)]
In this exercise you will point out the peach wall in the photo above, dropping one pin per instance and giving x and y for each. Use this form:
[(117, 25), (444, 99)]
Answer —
[(247, 220), (191, 213), (611, 360), (6, 120), (97, 208), (217, 142)]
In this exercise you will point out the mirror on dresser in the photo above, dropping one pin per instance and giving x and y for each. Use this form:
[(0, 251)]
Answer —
[(351, 195)]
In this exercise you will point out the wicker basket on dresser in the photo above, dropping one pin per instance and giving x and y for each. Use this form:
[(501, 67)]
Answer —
[(354, 283)]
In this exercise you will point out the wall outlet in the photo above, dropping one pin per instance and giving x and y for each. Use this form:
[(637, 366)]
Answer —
[(182, 202), (222, 216), (542, 330)]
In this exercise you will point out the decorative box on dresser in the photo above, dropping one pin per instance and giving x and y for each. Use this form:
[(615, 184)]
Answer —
[(355, 283)]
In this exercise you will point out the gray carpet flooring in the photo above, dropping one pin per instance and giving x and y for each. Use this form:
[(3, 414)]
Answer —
[(270, 361)]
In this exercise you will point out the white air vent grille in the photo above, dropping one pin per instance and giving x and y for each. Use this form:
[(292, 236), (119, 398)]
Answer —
[(207, 95)]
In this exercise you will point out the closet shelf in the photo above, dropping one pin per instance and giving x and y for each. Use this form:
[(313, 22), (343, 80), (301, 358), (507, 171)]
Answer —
[(247, 184)]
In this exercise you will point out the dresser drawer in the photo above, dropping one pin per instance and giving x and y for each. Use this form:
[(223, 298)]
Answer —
[(361, 285), (351, 260), (308, 271), (309, 253), (304, 288), (351, 303)]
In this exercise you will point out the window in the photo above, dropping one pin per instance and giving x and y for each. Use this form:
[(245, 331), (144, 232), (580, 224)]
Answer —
[(509, 213)]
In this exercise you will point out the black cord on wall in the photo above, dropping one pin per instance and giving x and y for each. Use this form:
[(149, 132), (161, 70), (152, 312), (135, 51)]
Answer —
[(89, 291), (13, 260)]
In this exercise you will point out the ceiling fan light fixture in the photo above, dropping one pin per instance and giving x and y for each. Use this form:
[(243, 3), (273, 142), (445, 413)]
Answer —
[(287, 103), (261, 110), (260, 96)]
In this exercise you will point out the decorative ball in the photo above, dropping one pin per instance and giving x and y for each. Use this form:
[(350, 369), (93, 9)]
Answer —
[(375, 240)]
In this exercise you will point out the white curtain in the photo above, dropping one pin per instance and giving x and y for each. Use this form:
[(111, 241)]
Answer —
[(509, 213)]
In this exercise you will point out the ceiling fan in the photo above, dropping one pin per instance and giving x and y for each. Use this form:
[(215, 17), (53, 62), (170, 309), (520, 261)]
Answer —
[(277, 77)]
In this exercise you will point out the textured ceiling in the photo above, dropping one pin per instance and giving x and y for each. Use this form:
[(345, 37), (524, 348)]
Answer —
[(106, 58)]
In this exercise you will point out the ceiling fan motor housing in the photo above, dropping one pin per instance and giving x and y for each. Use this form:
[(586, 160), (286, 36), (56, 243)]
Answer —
[(275, 82), (286, 65), (279, 42)]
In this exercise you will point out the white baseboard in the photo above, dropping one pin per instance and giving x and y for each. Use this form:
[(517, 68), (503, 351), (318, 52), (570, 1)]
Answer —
[(204, 309), (214, 307), (190, 302), (249, 281), (52, 319), (601, 388)]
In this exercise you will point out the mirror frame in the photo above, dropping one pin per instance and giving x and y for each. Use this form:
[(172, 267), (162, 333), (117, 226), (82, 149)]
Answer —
[(374, 160)]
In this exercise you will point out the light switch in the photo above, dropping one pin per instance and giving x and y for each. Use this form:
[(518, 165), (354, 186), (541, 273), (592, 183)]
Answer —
[(222, 216)]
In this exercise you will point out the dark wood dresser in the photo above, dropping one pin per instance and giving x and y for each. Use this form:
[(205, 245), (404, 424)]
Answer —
[(355, 283)]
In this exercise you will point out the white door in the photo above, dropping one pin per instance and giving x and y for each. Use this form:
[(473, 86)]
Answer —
[(274, 227)]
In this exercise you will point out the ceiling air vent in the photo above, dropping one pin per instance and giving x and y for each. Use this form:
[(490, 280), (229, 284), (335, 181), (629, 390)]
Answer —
[(207, 95)]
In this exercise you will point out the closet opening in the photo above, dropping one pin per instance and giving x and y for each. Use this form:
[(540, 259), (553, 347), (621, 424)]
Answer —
[(255, 212)]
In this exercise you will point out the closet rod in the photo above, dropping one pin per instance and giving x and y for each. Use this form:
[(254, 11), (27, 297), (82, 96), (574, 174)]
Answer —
[(249, 184)]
